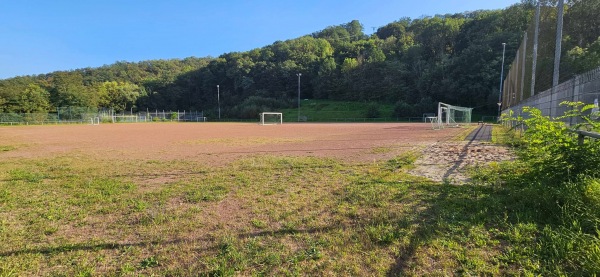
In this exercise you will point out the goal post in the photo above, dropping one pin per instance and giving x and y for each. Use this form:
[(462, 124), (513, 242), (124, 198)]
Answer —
[(271, 118), (454, 116), (124, 118), (95, 121)]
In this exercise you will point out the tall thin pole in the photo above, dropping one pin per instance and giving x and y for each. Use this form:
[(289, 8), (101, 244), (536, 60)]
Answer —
[(523, 65), (219, 101), (557, 51), (536, 36), (299, 75), (501, 78)]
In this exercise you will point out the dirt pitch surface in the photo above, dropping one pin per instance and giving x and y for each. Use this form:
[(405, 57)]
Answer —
[(442, 156), (221, 143)]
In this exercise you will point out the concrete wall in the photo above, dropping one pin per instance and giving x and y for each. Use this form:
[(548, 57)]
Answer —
[(582, 88)]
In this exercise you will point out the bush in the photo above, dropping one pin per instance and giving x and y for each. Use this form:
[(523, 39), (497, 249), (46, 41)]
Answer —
[(552, 149), (558, 189), (373, 111), (253, 105), (403, 109)]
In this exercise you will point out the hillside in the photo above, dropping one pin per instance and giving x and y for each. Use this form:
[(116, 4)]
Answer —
[(410, 64)]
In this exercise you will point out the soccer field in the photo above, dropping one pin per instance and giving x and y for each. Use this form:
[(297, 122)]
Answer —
[(214, 199), (216, 143)]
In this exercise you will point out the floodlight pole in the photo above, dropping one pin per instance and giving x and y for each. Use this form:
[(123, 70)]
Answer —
[(501, 79), (299, 75), (219, 101), (558, 47)]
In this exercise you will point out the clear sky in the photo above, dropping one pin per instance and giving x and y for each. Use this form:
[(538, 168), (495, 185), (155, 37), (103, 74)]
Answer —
[(41, 36)]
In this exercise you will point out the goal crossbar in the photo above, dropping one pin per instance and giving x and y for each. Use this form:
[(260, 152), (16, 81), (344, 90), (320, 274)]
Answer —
[(279, 118), (125, 118), (450, 115), (95, 121)]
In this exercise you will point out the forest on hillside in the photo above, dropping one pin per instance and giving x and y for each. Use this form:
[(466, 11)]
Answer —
[(411, 63)]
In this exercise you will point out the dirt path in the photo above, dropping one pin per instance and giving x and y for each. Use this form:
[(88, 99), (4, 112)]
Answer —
[(447, 160)]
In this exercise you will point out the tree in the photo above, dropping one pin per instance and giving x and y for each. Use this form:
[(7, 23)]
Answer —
[(396, 29), (34, 100), (118, 95), (584, 59), (2, 104), (348, 65), (67, 89), (355, 29)]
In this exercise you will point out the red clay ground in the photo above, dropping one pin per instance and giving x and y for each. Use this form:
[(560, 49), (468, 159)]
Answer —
[(220, 143)]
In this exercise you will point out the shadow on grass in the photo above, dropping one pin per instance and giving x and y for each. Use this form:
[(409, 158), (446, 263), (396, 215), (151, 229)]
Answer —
[(451, 212), (449, 216), (475, 135), (87, 246)]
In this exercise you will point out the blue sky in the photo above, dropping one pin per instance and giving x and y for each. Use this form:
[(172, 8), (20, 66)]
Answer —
[(44, 36)]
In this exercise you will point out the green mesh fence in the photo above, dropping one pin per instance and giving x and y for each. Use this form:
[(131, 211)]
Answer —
[(533, 69)]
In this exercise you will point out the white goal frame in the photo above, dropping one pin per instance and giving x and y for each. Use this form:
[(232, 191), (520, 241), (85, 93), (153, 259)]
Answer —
[(126, 118), (95, 121), (447, 115), (262, 118), (434, 122)]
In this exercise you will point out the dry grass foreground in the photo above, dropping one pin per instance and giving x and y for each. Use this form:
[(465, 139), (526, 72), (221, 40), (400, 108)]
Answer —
[(303, 199)]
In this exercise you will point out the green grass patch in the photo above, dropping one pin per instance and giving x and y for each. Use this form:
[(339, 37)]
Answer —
[(6, 148), (505, 136)]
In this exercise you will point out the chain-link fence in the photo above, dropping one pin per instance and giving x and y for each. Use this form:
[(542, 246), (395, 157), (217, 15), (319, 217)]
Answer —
[(62, 115), (83, 115), (542, 77)]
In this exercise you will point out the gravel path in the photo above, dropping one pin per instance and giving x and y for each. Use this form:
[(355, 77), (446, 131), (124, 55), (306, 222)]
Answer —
[(447, 160)]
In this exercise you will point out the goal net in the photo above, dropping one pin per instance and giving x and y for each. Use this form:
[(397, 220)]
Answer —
[(453, 116), (124, 118), (269, 118), (95, 121)]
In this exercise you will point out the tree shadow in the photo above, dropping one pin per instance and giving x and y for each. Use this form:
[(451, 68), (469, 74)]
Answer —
[(208, 239), (475, 135), (454, 206), (461, 206)]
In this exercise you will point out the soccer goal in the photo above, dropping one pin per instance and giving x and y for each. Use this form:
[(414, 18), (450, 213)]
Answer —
[(95, 121), (124, 118), (453, 116), (268, 118)]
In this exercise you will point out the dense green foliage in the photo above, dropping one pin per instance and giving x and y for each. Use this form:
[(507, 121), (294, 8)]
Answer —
[(552, 196), (333, 111), (410, 63)]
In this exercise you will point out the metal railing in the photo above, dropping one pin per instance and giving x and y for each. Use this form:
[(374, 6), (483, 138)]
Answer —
[(582, 134)]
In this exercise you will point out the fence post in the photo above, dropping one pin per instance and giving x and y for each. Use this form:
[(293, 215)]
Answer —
[(557, 49), (523, 66), (535, 47)]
